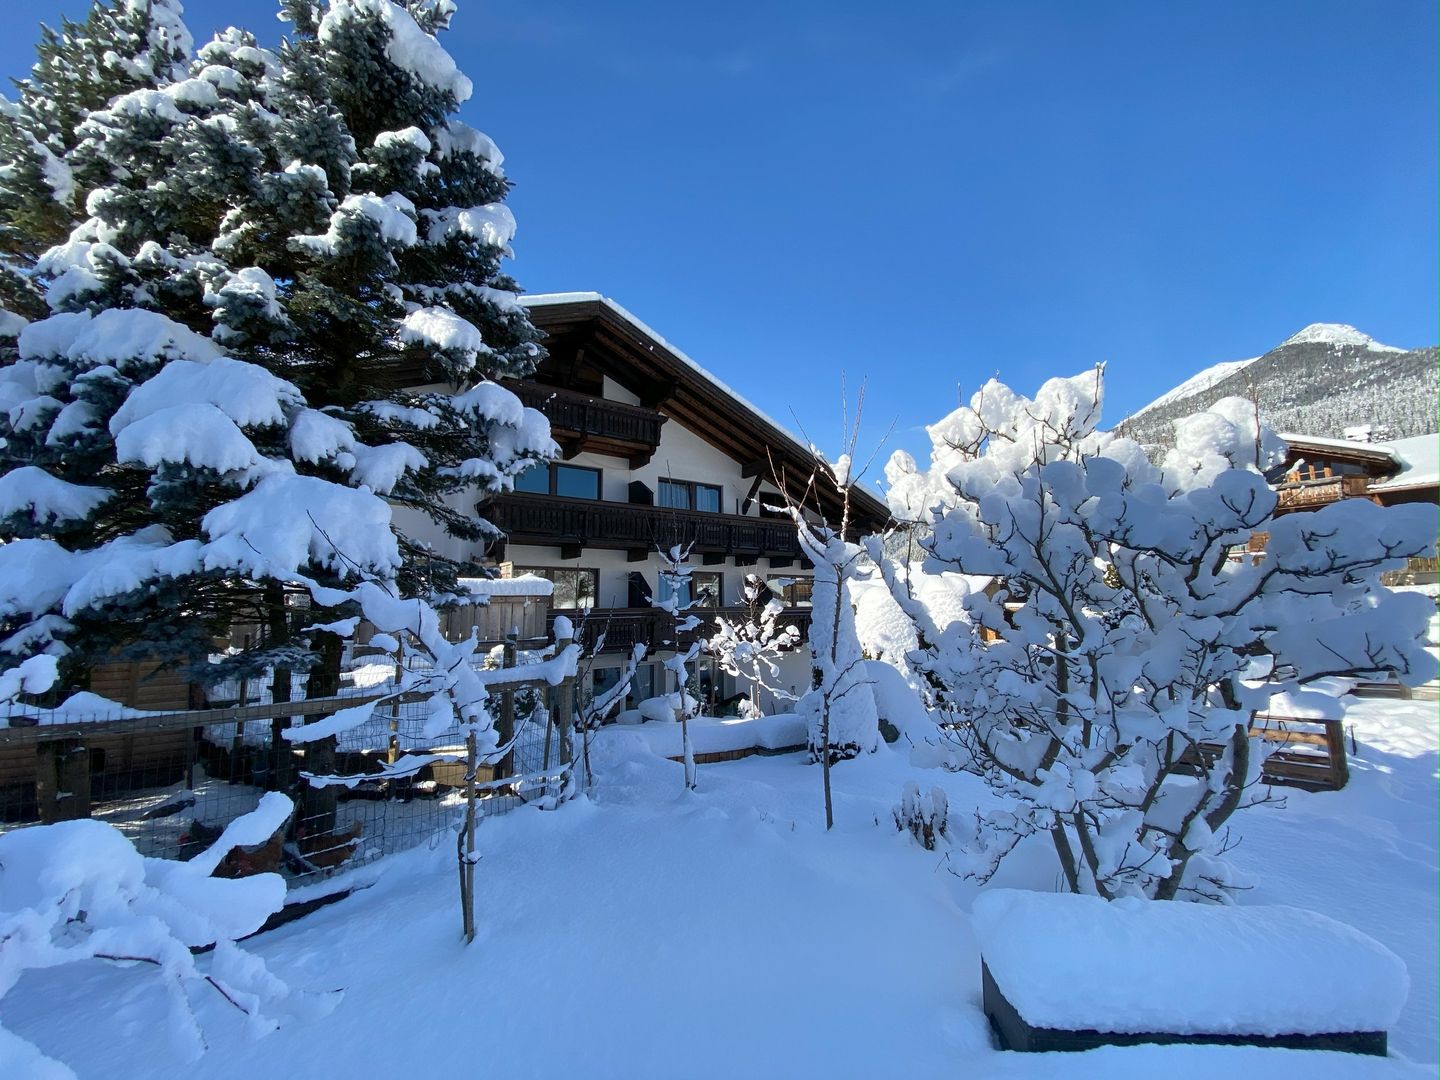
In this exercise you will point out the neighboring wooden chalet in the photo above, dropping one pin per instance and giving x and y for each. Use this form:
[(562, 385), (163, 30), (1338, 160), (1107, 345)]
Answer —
[(656, 451), (1320, 471)]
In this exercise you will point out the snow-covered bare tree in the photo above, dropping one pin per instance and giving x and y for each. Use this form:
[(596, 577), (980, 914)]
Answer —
[(839, 708), (595, 710), (749, 647), (1107, 689), (675, 597)]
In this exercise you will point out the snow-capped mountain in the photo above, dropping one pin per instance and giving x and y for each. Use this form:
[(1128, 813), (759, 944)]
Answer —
[(1320, 381)]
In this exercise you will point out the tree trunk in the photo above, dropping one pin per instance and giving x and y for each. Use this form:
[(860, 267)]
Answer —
[(689, 753), (1066, 853), (825, 765)]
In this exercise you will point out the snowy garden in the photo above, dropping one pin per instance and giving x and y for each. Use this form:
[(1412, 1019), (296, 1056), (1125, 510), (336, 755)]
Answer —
[(253, 314)]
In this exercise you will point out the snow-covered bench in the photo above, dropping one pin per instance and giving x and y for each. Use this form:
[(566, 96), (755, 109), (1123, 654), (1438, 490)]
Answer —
[(1064, 972)]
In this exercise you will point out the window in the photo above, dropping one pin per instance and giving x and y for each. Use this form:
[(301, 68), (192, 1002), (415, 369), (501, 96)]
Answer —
[(704, 585), (688, 495), (535, 480), (571, 481), (574, 588), (575, 482), (793, 592), (707, 586), (642, 686), (603, 681)]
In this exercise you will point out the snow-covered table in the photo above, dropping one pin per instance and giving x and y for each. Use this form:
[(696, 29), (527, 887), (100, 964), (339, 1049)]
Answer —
[(1065, 972)]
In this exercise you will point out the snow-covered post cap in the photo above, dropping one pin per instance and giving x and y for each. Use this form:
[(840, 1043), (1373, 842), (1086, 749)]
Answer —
[(1079, 963), (564, 631)]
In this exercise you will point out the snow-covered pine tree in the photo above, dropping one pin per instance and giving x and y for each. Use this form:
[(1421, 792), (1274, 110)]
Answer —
[(121, 46), (215, 209), (402, 286), (101, 462), (1106, 679)]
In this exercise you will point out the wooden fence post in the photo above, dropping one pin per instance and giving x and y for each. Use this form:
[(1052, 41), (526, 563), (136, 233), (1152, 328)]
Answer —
[(564, 705), (506, 727), (392, 753), (62, 780), (467, 868)]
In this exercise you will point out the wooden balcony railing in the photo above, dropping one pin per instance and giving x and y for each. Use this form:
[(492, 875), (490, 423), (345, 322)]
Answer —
[(551, 520), (1298, 493), (581, 422), (626, 627)]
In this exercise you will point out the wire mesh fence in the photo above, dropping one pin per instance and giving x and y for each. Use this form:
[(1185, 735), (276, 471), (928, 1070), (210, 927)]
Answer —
[(171, 782)]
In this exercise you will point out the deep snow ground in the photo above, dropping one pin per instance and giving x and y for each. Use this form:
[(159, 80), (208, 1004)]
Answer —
[(649, 933)]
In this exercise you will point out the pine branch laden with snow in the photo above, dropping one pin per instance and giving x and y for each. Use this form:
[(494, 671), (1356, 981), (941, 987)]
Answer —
[(203, 402), (1105, 683), (78, 890), (749, 647)]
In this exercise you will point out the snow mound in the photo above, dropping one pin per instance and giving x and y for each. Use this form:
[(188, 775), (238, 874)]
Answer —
[(710, 734), (1082, 963)]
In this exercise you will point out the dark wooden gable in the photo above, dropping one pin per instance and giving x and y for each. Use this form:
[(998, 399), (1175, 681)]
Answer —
[(587, 338)]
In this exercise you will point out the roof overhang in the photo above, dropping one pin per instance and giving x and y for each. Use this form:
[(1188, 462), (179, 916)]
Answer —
[(668, 380)]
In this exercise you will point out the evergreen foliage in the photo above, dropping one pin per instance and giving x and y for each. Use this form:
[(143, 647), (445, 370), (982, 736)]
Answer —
[(216, 393)]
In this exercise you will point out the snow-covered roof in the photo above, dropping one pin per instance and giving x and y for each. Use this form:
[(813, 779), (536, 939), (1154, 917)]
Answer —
[(1320, 442), (550, 299), (1419, 460)]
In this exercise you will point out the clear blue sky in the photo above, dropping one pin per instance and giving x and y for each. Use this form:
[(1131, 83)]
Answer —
[(931, 195)]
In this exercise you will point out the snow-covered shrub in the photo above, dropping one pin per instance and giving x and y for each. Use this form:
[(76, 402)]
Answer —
[(79, 890), (1106, 689), (925, 817)]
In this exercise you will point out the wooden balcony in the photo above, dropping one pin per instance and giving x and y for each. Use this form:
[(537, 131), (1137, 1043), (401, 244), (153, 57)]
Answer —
[(574, 524), (581, 423), (1304, 493), (624, 628)]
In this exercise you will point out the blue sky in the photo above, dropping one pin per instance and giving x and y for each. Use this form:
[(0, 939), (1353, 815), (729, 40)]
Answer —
[(929, 196)]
